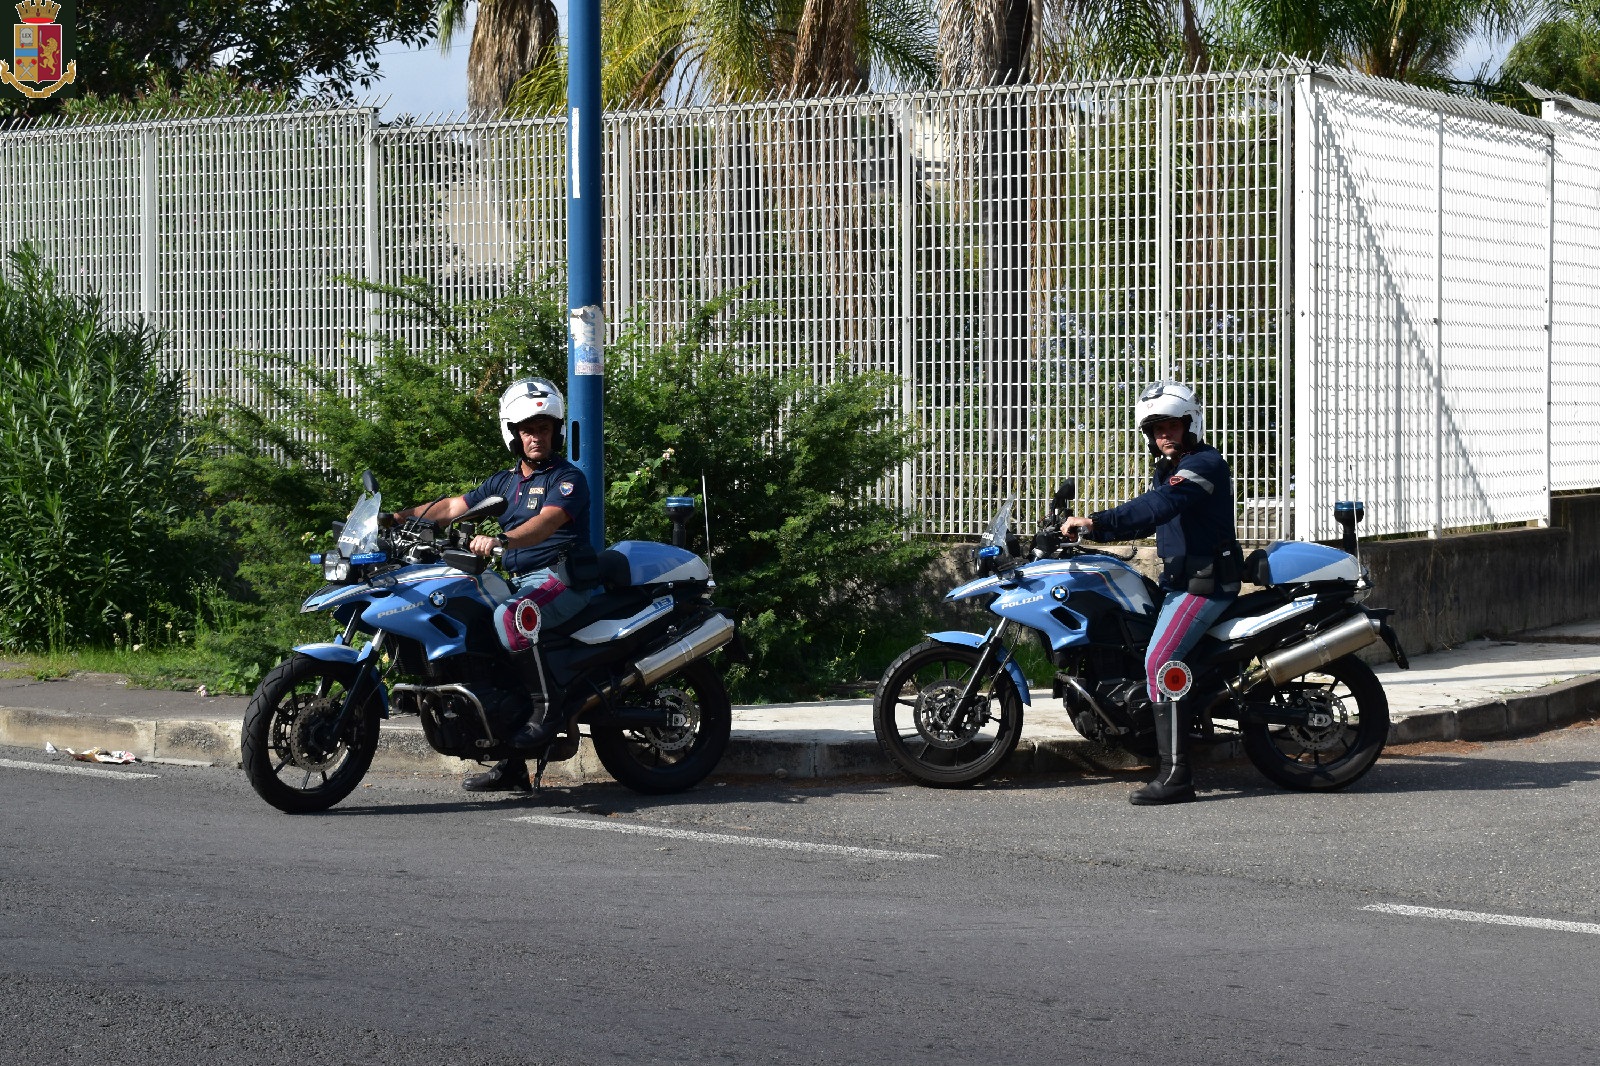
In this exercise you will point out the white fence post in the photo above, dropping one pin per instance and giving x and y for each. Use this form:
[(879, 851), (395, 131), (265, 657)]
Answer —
[(1306, 164), (371, 217), (149, 225), (906, 280), (1549, 314), (1436, 526), (1166, 205)]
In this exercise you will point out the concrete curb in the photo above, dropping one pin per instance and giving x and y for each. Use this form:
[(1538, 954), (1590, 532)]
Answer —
[(402, 748), (1515, 715)]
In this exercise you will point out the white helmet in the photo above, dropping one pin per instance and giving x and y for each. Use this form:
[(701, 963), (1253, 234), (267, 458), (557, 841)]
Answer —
[(1169, 399), (528, 398)]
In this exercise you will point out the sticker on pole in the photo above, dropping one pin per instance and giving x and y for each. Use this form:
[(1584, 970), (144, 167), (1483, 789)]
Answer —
[(584, 324), (1174, 679)]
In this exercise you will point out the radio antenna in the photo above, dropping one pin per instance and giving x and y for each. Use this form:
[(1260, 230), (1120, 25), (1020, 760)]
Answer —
[(705, 502)]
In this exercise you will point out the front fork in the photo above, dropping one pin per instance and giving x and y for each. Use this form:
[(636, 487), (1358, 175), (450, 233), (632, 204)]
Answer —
[(368, 673), (993, 650)]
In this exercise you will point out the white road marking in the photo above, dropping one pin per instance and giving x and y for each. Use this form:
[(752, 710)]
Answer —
[(1488, 919), (52, 768), (720, 838)]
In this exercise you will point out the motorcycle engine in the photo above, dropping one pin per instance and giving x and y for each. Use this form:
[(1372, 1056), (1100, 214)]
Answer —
[(454, 726), (1126, 702)]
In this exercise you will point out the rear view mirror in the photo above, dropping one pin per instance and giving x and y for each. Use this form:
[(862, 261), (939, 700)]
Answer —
[(487, 505), (1065, 494), (369, 482)]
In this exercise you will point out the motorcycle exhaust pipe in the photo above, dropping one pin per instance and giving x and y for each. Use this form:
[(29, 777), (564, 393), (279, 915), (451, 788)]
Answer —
[(1284, 664), (701, 641), (704, 639)]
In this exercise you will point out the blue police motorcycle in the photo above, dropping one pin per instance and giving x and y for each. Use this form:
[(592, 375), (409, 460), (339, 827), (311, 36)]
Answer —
[(1278, 669), (632, 665)]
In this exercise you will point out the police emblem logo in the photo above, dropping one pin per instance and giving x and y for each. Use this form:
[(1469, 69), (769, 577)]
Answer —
[(566, 488), (38, 50)]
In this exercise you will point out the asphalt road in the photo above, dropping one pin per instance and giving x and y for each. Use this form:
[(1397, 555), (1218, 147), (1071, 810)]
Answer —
[(176, 918)]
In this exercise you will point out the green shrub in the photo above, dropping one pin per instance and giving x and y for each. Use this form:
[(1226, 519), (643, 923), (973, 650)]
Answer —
[(97, 493), (802, 550)]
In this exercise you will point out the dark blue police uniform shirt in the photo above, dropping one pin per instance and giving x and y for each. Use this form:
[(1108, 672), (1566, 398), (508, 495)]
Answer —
[(1189, 507), (556, 484)]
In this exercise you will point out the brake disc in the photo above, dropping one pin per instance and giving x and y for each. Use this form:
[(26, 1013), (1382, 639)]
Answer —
[(683, 721), (311, 743), (1325, 723), (938, 717)]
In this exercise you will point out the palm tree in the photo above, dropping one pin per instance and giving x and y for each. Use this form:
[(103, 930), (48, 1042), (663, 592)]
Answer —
[(656, 51), (510, 39), (1405, 40)]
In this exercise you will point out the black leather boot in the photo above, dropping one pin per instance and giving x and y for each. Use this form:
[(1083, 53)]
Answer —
[(540, 730), (1175, 782), (544, 720), (507, 775)]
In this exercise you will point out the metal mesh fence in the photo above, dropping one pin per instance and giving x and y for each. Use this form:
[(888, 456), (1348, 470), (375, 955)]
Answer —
[(1353, 277)]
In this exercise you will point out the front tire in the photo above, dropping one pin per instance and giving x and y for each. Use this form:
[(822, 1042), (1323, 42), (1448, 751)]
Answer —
[(1325, 754), (290, 755), (659, 759), (919, 729)]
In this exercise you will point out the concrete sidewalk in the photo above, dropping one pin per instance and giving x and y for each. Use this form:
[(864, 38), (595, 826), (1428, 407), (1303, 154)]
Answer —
[(1479, 691)]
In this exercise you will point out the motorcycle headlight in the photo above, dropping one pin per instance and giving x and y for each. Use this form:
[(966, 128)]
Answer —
[(335, 567)]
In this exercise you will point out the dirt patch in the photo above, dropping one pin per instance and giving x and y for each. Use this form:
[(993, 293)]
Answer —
[(1431, 747)]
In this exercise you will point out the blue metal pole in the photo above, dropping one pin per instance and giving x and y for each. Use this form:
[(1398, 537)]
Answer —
[(586, 334)]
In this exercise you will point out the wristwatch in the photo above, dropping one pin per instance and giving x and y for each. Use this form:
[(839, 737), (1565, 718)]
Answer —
[(505, 542)]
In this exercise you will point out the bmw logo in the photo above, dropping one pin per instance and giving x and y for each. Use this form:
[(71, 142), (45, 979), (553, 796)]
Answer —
[(1060, 593), (436, 598)]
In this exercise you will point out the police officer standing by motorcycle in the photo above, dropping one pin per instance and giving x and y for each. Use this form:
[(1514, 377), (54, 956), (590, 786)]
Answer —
[(1189, 507), (545, 520)]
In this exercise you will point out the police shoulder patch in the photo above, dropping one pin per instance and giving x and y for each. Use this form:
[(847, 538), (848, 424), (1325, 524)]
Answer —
[(566, 488)]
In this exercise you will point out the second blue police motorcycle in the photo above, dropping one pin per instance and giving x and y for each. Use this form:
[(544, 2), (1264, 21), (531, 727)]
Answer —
[(1278, 669), (633, 664)]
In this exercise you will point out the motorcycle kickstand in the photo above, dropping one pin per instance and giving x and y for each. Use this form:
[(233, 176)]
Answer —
[(538, 770)]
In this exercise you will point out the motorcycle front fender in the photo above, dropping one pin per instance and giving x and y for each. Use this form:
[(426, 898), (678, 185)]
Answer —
[(978, 640), (334, 652)]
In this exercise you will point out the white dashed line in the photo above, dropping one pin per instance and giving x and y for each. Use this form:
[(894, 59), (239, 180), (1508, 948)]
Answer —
[(1487, 919), (90, 771), (721, 838)]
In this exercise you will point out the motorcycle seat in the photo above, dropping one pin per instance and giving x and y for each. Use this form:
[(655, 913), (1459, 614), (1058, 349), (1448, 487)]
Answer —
[(587, 570), (614, 572), (1253, 603)]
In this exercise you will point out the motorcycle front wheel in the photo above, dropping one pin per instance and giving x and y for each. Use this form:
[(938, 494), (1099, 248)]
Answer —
[(291, 753), (1346, 727), (922, 730), (672, 757)]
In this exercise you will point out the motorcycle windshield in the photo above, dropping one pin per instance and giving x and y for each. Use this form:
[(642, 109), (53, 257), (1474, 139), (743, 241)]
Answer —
[(996, 533), (360, 533)]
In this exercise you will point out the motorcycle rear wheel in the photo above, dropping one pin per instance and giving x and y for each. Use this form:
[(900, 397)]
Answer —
[(659, 759), (911, 716), (1322, 758), (292, 759)]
